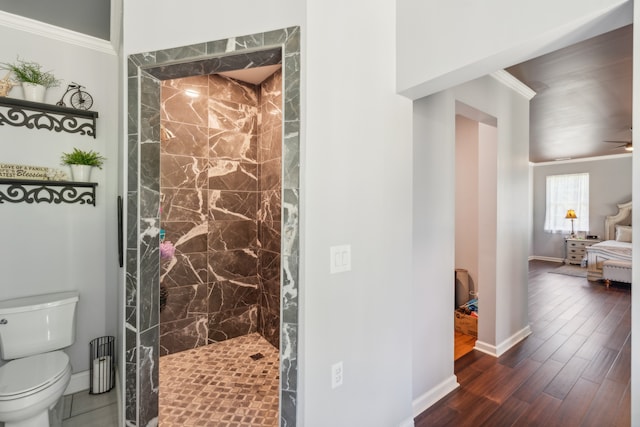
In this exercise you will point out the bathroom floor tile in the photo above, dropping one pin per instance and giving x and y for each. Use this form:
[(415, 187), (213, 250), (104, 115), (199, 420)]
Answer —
[(107, 416), (84, 402), (66, 406), (221, 385)]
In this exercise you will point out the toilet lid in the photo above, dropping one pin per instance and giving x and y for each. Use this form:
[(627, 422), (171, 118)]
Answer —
[(28, 374)]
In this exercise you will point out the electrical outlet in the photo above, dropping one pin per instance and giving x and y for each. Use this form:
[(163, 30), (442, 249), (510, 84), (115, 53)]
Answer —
[(336, 374)]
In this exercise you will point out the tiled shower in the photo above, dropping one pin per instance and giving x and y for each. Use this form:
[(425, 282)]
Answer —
[(220, 185), (140, 312)]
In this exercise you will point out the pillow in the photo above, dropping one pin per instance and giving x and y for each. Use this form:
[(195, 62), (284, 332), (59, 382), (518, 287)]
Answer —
[(623, 233)]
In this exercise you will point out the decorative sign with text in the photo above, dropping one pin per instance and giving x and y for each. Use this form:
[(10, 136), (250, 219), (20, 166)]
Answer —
[(8, 171)]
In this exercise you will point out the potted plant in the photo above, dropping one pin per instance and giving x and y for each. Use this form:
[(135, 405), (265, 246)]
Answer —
[(81, 163), (34, 80)]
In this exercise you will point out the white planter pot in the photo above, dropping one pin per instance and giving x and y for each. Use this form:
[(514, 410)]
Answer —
[(33, 92), (81, 173)]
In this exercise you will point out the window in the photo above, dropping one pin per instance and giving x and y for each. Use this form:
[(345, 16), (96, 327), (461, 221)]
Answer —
[(566, 192)]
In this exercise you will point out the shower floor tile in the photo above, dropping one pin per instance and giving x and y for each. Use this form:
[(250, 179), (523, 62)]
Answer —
[(221, 385)]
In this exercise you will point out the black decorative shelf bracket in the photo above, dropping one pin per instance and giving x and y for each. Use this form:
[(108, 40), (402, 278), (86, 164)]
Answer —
[(35, 191), (36, 115)]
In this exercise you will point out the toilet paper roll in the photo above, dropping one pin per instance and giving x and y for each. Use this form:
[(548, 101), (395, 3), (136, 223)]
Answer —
[(101, 375)]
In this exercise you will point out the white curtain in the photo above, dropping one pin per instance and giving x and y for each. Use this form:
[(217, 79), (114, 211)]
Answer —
[(566, 192)]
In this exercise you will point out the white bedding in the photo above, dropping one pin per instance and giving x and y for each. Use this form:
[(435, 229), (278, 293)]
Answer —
[(599, 253), (618, 250)]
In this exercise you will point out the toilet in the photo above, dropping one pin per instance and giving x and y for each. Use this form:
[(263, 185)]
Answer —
[(33, 332)]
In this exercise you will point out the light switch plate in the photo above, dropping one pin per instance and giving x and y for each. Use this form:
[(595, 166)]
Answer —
[(337, 374), (340, 258)]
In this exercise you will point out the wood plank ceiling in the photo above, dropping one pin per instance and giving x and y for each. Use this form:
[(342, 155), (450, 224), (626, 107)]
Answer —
[(583, 98)]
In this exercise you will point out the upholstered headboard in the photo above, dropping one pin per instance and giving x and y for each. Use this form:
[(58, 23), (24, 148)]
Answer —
[(623, 217)]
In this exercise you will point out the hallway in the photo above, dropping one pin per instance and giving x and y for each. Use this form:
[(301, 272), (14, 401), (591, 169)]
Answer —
[(573, 370)]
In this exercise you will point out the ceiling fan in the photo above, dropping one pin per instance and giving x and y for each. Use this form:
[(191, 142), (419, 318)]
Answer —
[(627, 145)]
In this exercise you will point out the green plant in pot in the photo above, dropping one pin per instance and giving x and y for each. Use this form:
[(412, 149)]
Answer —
[(81, 163), (34, 80)]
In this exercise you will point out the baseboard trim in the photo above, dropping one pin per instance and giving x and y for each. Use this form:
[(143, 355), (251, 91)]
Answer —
[(545, 258), (505, 345), (119, 398), (422, 403), (486, 348), (407, 423), (79, 382), (514, 339)]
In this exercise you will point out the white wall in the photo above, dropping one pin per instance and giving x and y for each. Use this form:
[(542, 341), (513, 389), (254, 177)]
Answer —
[(466, 193), (487, 187), (512, 235), (476, 195), (154, 25), (433, 248), (503, 237), (49, 248), (442, 44), (356, 189)]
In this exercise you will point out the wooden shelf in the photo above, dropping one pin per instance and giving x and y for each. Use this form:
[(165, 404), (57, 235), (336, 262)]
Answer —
[(38, 115), (36, 191)]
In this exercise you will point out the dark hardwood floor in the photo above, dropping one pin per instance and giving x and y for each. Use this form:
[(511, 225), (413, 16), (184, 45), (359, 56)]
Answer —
[(573, 370)]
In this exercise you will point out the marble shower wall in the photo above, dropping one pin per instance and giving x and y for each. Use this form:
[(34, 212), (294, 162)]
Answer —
[(220, 206), (269, 217)]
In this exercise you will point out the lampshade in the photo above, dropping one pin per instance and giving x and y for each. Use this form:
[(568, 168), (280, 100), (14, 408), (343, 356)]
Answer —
[(571, 214)]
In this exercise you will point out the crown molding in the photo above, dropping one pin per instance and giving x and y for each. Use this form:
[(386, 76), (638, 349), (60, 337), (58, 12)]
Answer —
[(56, 33), (583, 159), (116, 25), (511, 82)]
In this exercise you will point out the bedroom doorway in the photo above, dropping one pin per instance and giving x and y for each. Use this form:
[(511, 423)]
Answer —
[(475, 200)]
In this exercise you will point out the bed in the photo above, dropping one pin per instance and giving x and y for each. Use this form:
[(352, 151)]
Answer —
[(615, 249)]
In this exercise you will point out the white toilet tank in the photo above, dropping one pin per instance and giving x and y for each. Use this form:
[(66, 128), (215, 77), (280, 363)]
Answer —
[(37, 324)]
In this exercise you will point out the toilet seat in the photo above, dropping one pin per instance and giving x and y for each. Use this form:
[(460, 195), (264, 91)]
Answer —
[(28, 375)]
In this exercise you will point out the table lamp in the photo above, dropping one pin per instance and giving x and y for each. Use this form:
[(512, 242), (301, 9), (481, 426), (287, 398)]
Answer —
[(571, 214)]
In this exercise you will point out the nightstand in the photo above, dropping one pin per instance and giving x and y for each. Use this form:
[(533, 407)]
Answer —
[(576, 249)]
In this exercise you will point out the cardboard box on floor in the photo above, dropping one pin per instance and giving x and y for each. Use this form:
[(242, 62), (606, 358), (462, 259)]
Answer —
[(466, 324)]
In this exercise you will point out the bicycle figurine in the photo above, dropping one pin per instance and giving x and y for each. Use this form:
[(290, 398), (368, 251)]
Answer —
[(79, 99)]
